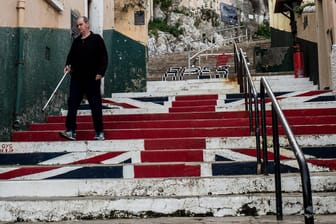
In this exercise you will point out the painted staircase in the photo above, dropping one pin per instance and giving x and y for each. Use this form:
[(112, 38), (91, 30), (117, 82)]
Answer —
[(183, 148)]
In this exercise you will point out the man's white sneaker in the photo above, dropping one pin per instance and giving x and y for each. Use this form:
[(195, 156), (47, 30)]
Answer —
[(99, 136), (71, 135)]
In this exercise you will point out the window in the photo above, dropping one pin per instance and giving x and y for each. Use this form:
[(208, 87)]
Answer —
[(139, 17)]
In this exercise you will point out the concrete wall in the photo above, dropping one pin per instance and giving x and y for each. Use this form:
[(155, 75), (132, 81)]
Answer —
[(306, 27), (326, 35)]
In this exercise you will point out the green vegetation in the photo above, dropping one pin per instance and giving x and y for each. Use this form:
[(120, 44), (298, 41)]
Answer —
[(298, 9), (264, 30), (161, 25), (164, 4)]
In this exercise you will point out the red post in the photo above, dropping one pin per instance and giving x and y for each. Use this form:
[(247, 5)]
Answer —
[(298, 62)]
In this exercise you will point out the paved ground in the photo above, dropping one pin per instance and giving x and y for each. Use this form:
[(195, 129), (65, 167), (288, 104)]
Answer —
[(325, 219)]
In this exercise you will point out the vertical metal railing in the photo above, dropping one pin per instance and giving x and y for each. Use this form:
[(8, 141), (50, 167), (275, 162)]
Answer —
[(237, 66), (251, 96), (278, 115)]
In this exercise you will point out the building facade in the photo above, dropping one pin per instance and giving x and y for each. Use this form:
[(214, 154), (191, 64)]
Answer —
[(315, 24)]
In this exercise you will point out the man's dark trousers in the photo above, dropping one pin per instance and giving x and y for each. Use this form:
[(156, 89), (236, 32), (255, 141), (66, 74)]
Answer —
[(90, 88)]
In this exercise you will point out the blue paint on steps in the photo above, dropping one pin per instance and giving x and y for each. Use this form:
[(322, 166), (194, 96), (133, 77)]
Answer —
[(28, 158), (157, 100), (92, 172), (245, 168), (321, 152), (322, 99), (233, 97), (241, 95), (221, 158), (43, 157)]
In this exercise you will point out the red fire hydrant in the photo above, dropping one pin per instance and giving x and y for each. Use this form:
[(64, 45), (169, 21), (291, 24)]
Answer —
[(298, 61)]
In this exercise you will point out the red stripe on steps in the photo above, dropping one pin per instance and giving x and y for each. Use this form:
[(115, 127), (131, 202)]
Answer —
[(156, 171), (307, 129), (98, 159), (309, 112), (253, 152), (172, 156), (25, 171), (165, 116), (136, 134), (196, 123), (192, 109), (176, 143), (197, 97), (331, 164), (302, 120), (314, 92), (192, 103)]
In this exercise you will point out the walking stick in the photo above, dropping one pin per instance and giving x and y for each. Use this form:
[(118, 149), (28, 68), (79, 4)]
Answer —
[(52, 95)]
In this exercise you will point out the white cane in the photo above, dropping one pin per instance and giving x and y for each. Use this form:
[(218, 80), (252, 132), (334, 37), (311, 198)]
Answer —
[(52, 95)]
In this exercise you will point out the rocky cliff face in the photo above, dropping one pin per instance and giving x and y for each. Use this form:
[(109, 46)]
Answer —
[(200, 25)]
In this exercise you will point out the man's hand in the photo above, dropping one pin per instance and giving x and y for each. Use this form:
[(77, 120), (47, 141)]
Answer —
[(99, 77), (67, 69)]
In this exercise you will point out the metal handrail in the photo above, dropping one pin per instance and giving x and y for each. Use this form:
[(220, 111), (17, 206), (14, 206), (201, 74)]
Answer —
[(277, 114), (237, 66), (250, 94)]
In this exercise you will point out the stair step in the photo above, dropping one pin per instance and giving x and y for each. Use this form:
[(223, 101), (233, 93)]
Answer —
[(194, 103), (196, 97), (182, 109), (169, 132), (321, 156), (174, 143), (83, 208), (167, 169), (195, 115), (137, 133), (197, 123), (164, 187), (158, 116), (215, 143)]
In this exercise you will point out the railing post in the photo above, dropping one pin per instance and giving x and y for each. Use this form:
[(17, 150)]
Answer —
[(244, 78), (257, 133), (263, 127), (276, 150), (250, 109)]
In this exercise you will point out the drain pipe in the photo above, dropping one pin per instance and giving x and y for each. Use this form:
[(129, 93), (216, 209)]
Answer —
[(20, 59)]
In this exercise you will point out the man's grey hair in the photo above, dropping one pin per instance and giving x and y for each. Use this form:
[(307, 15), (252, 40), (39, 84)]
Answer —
[(85, 19)]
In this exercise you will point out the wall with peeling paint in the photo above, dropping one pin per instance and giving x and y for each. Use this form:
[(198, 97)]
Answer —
[(8, 47), (127, 65), (44, 53)]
